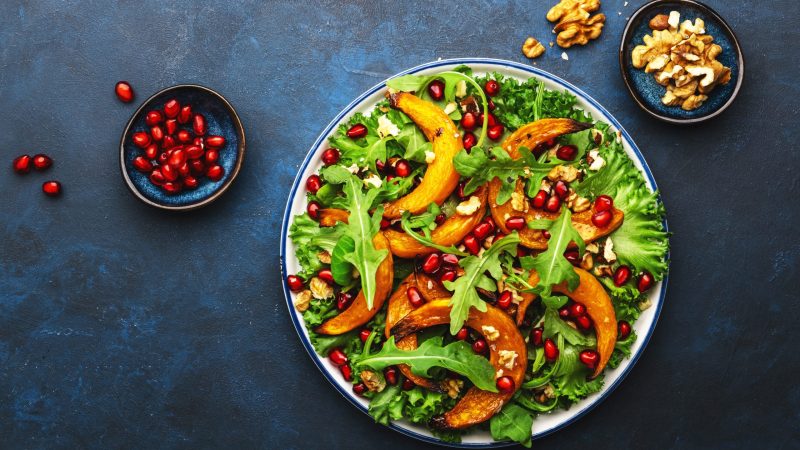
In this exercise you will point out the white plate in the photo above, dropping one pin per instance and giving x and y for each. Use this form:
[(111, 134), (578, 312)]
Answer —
[(544, 423)]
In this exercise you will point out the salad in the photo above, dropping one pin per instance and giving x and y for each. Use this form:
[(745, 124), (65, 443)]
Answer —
[(474, 253)]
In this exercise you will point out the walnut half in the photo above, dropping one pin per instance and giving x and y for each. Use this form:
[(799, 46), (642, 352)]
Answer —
[(574, 23), (532, 48)]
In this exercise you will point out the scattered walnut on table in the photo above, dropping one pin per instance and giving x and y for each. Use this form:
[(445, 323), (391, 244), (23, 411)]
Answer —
[(532, 48), (574, 23)]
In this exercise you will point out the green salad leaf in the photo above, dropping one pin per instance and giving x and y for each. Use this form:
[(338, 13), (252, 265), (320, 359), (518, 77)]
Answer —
[(553, 325), (426, 222), (385, 404), (414, 143), (514, 423), (310, 239), (570, 375), (480, 169)]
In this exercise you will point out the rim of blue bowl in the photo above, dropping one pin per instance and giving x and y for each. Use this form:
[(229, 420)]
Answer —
[(237, 124), (635, 93)]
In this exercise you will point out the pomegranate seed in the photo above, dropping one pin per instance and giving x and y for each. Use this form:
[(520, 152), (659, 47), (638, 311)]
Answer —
[(469, 141), (171, 108), (562, 190), (450, 259), (506, 385), (347, 372), (357, 131), (490, 119), (295, 283), (153, 118), (603, 203), (194, 152), (577, 309), (330, 156), (172, 187), (157, 178), (402, 168), (496, 132), (364, 334), (338, 357), (522, 251), (408, 385), (141, 139), (491, 87), (22, 164), (124, 91), (414, 297), (479, 346), (623, 330), (184, 136), (343, 300), (550, 350), (460, 190), (472, 244), (553, 203), (389, 178), (462, 334), (215, 141), (584, 323), (563, 312), (142, 164), (546, 234), (589, 358), (185, 114), (436, 89), (515, 223), (390, 373), (602, 219), (177, 158), (51, 188), (645, 282), (313, 183), (621, 275), (431, 263), (157, 133), (482, 230), (536, 334), (313, 209), (448, 275), (41, 162), (491, 105), (385, 224), (168, 142), (171, 126), (151, 152), (170, 173), (573, 257), (540, 199), (504, 301), (326, 275), (183, 169), (468, 121), (197, 167), (566, 152), (440, 219), (360, 388), (199, 124), (211, 156), (190, 182)]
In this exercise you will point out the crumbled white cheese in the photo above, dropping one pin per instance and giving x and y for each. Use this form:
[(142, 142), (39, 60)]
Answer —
[(499, 373), (468, 207), (353, 169), (515, 297), (461, 89), (450, 108), (608, 251), (373, 180), (386, 127), (490, 332), (564, 56), (429, 156), (507, 358), (674, 19), (597, 161)]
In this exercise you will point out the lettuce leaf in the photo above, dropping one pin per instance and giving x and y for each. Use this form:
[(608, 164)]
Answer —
[(514, 423), (310, 239)]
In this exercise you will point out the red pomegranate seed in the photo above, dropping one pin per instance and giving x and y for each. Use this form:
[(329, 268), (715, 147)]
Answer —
[(170, 173), (515, 223), (492, 87), (479, 346), (347, 372), (190, 182), (194, 152), (184, 136), (390, 373), (603, 203), (563, 312), (645, 282), (197, 167), (408, 385), (295, 283), (431, 263), (153, 118), (623, 330), (313, 209), (364, 334), (183, 169), (462, 334), (141, 139), (338, 357), (491, 105), (51, 188), (490, 120), (621, 275), (142, 164), (460, 190), (522, 251), (198, 141), (469, 141), (472, 244), (482, 230), (468, 121), (343, 300), (553, 203), (22, 164), (151, 152), (584, 323), (330, 156), (573, 257), (157, 133), (448, 275), (601, 219), (504, 300), (357, 131), (168, 142), (326, 275), (566, 152), (402, 168), (157, 178), (199, 124), (211, 156), (163, 157), (313, 183), (385, 224), (540, 199), (550, 350), (124, 91), (546, 234), (496, 132), (215, 172), (41, 162), (577, 309), (450, 259), (436, 89), (360, 388), (173, 187), (536, 335), (171, 109), (185, 114), (506, 385), (177, 158), (171, 126), (562, 189), (440, 219), (589, 358), (215, 141)]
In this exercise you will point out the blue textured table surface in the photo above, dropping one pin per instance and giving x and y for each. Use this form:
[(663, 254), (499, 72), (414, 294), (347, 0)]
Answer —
[(122, 325)]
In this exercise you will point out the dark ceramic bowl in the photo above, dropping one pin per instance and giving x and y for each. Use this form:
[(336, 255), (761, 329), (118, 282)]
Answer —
[(221, 120), (643, 87)]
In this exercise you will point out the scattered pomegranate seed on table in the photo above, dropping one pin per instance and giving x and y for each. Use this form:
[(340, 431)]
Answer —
[(42, 162), (22, 164), (124, 91), (51, 188)]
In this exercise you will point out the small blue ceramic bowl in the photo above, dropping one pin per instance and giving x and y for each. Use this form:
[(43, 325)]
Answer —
[(221, 120), (643, 87)]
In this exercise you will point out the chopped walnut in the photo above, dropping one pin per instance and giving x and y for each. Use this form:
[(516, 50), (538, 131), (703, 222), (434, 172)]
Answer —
[(532, 48), (373, 381), (567, 174), (453, 386), (603, 271), (301, 300), (324, 257), (581, 204), (320, 289), (587, 262), (490, 332), (592, 248), (468, 207), (518, 202), (507, 358)]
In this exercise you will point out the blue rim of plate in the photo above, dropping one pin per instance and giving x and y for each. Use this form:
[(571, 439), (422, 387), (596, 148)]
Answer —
[(299, 327)]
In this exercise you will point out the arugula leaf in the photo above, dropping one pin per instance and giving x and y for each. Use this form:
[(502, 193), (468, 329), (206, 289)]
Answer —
[(425, 221), (465, 295), (341, 269), (553, 325), (570, 375), (414, 143), (456, 356), (513, 422), (335, 174), (309, 239)]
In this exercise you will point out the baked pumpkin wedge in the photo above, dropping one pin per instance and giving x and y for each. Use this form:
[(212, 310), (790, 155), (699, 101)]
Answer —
[(440, 178), (477, 405), (400, 306), (450, 232), (329, 216), (598, 305)]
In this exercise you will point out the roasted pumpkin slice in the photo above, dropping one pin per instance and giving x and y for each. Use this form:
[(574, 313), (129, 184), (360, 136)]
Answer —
[(358, 314), (329, 216), (400, 306), (477, 405), (598, 305), (440, 178), (536, 133), (450, 232)]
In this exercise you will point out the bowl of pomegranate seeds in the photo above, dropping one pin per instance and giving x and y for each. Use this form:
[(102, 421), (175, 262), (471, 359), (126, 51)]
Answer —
[(182, 148)]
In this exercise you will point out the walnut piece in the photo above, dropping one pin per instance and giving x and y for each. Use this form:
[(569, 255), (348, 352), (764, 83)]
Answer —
[(574, 23), (659, 22), (373, 381), (532, 48), (320, 289), (302, 300)]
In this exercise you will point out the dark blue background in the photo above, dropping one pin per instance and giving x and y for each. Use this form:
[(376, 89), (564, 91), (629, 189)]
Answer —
[(122, 325)]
